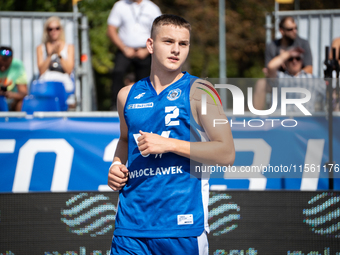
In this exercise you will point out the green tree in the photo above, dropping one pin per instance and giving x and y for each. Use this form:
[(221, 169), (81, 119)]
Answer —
[(102, 49)]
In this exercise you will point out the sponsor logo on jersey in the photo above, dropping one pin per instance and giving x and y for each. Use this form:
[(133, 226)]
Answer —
[(140, 106), (174, 94), (139, 96), (158, 171)]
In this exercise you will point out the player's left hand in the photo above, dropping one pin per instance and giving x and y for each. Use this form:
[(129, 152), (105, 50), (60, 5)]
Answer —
[(149, 143)]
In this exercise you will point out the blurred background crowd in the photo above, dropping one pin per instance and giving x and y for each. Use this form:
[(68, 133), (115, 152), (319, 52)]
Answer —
[(245, 34)]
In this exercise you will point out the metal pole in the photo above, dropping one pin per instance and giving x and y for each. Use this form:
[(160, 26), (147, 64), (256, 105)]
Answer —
[(76, 55), (86, 91), (34, 67), (330, 135), (276, 15), (222, 51), (268, 28), (91, 82), (330, 64), (10, 32), (22, 36)]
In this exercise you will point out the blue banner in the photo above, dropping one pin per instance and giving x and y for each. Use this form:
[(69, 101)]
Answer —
[(292, 153), (74, 154)]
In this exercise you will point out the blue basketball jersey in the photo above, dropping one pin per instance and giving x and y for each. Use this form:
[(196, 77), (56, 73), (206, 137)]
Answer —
[(161, 198)]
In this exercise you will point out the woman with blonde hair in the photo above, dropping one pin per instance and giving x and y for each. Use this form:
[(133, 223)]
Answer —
[(55, 58)]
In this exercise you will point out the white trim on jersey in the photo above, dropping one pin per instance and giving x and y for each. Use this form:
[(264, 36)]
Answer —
[(205, 187), (205, 200)]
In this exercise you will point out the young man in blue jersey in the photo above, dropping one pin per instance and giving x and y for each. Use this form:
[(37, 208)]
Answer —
[(163, 207)]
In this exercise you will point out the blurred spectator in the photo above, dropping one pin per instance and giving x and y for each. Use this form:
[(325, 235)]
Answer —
[(292, 62), (289, 40), (56, 58), (13, 79), (336, 45), (129, 26), (336, 101), (129, 79)]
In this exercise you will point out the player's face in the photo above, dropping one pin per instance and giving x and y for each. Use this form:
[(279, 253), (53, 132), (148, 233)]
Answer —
[(170, 47)]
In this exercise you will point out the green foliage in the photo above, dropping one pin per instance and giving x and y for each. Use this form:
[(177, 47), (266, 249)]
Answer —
[(6, 5), (102, 50), (254, 71), (36, 5), (97, 12)]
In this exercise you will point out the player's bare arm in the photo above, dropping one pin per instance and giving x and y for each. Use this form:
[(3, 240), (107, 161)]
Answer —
[(118, 173), (220, 148)]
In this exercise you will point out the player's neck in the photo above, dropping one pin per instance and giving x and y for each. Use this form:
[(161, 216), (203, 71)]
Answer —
[(161, 80)]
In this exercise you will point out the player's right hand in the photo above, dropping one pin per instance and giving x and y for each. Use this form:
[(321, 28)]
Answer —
[(117, 177)]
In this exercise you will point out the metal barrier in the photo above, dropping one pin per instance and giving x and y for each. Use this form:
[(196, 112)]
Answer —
[(23, 32), (318, 27)]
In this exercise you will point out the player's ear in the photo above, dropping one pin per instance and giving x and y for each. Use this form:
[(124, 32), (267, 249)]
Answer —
[(149, 45)]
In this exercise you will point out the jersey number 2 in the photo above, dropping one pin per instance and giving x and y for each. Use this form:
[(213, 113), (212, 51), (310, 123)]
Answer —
[(173, 114)]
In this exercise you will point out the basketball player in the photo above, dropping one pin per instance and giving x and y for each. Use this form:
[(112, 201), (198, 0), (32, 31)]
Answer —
[(163, 207)]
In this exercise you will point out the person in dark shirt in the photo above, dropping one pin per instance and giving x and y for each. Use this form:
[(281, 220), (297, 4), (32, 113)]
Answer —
[(290, 40)]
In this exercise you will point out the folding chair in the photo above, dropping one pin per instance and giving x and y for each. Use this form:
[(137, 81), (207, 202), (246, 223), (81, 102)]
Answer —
[(41, 104), (3, 104), (50, 89)]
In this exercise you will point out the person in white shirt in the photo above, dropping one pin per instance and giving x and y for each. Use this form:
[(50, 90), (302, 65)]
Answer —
[(129, 26)]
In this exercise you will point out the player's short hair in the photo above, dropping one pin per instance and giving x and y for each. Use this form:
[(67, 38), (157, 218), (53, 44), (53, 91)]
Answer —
[(169, 19), (283, 21)]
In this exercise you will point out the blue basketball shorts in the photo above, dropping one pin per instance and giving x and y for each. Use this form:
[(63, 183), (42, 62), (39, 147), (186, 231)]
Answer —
[(123, 245)]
